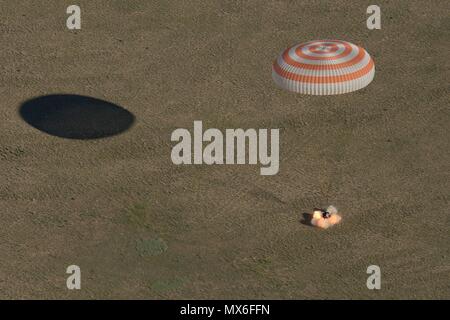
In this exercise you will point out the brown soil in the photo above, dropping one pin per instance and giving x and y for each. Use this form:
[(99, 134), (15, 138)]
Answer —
[(141, 227)]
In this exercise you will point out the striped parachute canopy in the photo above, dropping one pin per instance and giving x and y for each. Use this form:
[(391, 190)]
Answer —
[(323, 67)]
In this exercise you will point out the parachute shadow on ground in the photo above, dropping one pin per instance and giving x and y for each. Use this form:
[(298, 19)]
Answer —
[(75, 116)]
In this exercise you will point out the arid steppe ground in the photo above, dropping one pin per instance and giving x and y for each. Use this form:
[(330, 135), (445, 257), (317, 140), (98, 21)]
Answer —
[(141, 227)]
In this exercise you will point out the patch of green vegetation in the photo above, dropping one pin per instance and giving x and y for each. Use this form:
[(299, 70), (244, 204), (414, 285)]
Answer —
[(137, 215), (163, 286), (129, 5), (151, 247), (261, 264), (158, 219), (258, 265), (11, 153), (88, 214)]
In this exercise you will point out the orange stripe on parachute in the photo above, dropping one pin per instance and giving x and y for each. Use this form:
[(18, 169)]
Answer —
[(326, 79)]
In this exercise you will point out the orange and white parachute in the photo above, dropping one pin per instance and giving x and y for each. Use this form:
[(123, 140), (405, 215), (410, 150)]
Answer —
[(323, 67)]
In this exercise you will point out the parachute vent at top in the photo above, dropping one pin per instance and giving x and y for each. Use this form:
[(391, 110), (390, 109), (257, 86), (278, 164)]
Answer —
[(323, 67)]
